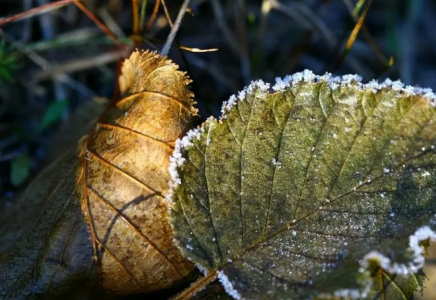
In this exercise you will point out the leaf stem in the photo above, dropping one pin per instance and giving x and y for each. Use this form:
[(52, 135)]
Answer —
[(197, 286)]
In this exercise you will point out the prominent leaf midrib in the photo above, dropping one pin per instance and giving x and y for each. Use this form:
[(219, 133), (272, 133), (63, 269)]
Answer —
[(365, 182), (276, 157), (134, 228), (137, 97), (208, 199), (336, 234), (241, 167), (123, 172), (330, 173), (289, 225), (353, 143), (159, 67), (386, 143), (106, 250), (140, 134), (309, 163), (377, 212)]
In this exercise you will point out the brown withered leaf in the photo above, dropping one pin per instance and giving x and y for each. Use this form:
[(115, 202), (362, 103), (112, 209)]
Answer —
[(44, 240), (124, 177)]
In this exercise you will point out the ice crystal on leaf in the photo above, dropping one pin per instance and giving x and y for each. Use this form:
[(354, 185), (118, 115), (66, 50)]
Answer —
[(311, 188)]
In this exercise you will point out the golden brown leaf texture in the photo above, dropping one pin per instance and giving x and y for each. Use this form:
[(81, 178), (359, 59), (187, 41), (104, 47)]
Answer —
[(124, 176)]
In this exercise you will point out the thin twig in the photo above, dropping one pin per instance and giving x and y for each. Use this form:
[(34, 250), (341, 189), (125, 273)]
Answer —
[(196, 286), (167, 14), (102, 26), (43, 64), (36, 11), (353, 34), (358, 25), (142, 16), (172, 35), (357, 8), (154, 14), (197, 50), (367, 35), (313, 22), (80, 64), (135, 16), (219, 17), (108, 20)]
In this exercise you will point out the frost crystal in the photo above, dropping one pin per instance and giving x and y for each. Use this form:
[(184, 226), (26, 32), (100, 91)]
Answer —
[(308, 76), (418, 259), (233, 100), (177, 159), (228, 286), (350, 294), (282, 84), (227, 105), (348, 79), (334, 82)]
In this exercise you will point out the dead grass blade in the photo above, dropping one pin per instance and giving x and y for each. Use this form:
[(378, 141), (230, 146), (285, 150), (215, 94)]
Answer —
[(36, 11)]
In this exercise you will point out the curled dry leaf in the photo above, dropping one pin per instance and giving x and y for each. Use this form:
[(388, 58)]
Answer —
[(294, 193), (124, 177)]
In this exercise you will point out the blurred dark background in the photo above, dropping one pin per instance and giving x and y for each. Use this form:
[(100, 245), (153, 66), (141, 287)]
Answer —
[(53, 63)]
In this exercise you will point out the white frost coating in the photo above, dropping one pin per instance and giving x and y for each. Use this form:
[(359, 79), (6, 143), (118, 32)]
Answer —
[(177, 160), (334, 82), (351, 294), (373, 85), (227, 105), (416, 264), (228, 286), (308, 76), (350, 78), (418, 258), (282, 84), (423, 233)]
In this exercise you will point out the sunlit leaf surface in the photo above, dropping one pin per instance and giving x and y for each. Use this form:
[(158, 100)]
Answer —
[(124, 177), (299, 189)]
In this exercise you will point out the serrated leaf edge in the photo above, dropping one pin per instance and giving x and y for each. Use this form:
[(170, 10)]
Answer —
[(334, 82)]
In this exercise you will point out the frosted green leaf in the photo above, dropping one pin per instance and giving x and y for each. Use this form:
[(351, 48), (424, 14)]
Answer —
[(317, 187)]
